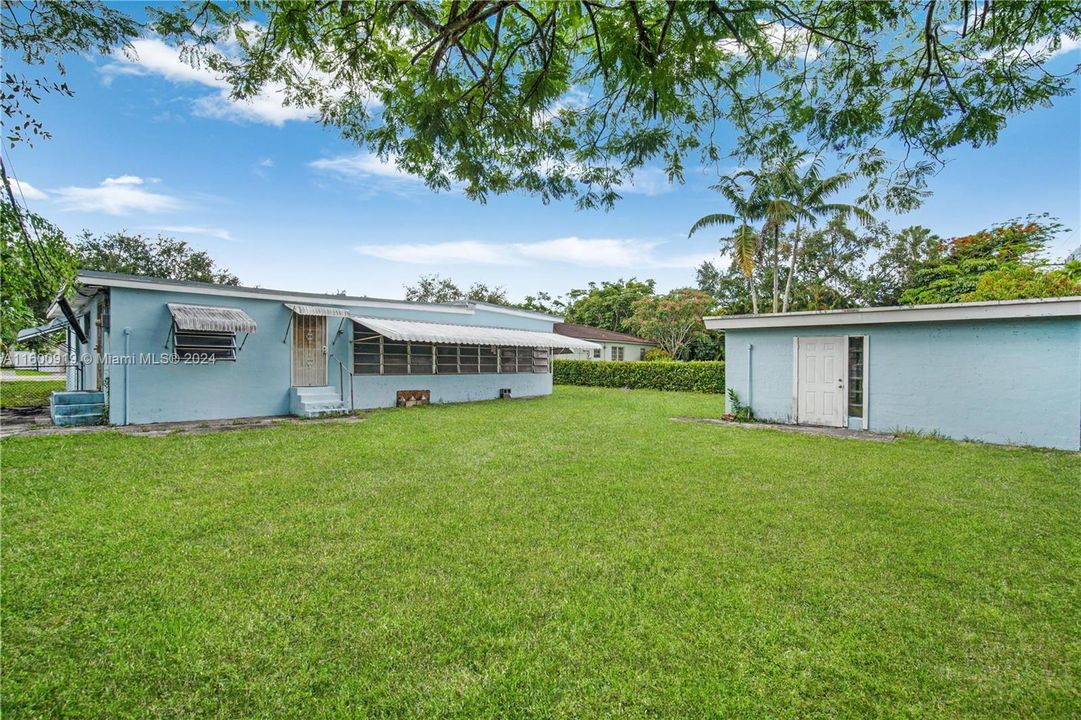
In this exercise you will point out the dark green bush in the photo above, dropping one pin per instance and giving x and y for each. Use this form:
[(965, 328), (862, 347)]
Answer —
[(706, 377)]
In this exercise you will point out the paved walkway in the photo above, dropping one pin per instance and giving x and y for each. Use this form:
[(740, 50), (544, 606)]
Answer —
[(48, 377), (799, 429), (38, 423)]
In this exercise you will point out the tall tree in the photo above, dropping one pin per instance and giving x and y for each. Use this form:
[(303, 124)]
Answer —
[(744, 244), (901, 255), (435, 288), (31, 275), (160, 257), (672, 320), (608, 305), (570, 98), (1011, 254), (544, 302)]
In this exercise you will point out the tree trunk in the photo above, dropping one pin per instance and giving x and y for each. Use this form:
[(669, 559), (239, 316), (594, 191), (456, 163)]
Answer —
[(791, 269), (754, 295), (776, 267)]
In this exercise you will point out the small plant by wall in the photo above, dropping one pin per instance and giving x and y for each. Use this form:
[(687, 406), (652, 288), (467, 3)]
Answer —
[(705, 377), (739, 411)]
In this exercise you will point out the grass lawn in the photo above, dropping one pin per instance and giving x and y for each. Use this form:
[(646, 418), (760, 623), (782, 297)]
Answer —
[(574, 556), (27, 393)]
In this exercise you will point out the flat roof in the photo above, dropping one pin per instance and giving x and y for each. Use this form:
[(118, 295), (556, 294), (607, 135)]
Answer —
[(946, 312), (464, 307)]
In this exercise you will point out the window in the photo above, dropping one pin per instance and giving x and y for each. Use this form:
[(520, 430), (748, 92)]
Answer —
[(469, 358), (199, 345), (508, 360), (855, 376), (420, 359), (367, 355), (617, 353), (377, 355), (540, 360), (446, 360), (597, 354), (395, 357)]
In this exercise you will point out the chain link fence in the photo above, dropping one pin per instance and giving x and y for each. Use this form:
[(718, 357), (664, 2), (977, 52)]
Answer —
[(28, 379)]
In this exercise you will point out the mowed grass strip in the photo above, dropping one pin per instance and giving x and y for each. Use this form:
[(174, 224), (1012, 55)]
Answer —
[(572, 556)]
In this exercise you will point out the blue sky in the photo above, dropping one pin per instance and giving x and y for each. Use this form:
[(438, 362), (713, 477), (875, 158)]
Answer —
[(155, 146)]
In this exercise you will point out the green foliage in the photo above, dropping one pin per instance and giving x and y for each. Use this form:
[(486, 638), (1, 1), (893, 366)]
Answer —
[(657, 355), (570, 98), (671, 320), (740, 412), (161, 257), (893, 271), (608, 305), (543, 302), (31, 273), (705, 377), (1018, 282), (955, 274), (435, 288)]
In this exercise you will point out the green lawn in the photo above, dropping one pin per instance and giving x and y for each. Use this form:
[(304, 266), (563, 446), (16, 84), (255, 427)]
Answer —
[(27, 393), (574, 556)]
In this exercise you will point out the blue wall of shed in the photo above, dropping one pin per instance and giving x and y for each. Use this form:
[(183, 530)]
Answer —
[(1002, 381), (258, 383)]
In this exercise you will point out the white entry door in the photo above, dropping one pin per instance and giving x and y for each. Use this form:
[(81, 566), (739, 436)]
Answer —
[(820, 381)]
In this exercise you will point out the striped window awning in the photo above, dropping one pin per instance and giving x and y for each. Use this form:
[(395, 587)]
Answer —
[(428, 332), (211, 318), (320, 310)]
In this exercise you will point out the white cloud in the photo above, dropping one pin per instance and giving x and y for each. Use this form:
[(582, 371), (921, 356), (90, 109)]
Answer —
[(152, 56), (646, 181), (630, 253), (465, 252), (26, 190), (219, 233), (266, 162), (363, 166), (116, 196)]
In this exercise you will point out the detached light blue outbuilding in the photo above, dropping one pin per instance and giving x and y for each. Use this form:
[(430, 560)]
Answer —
[(165, 350), (1000, 372)]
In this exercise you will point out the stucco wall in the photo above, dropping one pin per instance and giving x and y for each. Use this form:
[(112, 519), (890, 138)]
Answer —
[(631, 352), (1003, 381), (258, 383)]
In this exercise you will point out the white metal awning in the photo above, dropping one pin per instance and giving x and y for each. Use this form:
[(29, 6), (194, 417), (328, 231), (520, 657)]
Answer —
[(416, 331), (211, 318), (320, 310)]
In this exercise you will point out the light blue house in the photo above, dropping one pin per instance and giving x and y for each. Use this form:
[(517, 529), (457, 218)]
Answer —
[(165, 350), (1000, 372)]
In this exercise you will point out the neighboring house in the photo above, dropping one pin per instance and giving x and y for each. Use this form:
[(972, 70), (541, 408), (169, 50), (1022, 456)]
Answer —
[(1003, 372), (613, 345), (167, 350)]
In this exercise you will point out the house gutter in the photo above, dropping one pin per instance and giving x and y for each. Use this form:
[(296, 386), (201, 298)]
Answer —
[(127, 369)]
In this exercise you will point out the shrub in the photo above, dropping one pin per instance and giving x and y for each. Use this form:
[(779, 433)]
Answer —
[(656, 355), (706, 377)]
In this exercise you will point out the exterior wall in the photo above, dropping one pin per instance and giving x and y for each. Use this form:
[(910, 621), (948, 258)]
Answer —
[(1002, 381), (258, 383), (631, 352)]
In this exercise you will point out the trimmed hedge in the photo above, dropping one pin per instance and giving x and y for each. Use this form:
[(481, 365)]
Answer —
[(705, 377)]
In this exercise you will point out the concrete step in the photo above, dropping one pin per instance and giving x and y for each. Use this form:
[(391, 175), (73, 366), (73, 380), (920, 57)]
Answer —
[(77, 397)]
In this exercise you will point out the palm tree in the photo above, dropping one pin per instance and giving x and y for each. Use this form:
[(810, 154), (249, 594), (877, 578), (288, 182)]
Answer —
[(808, 195), (744, 241), (772, 188)]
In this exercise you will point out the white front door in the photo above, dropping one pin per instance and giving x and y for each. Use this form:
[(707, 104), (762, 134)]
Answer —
[(820, 381)]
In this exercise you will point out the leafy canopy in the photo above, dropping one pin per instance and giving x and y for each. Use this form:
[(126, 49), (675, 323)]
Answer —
[(160, 257), (1004, 262), (608, 305), (438, 289), (569, 98), (671, 320)]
